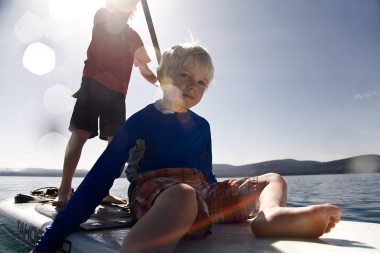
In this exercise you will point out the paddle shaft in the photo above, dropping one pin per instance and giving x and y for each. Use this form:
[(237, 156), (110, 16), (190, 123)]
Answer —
[(151, 29)]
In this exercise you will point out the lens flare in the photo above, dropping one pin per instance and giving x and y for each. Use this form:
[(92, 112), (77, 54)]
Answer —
[(39, 59), (29, 28), (172, 93), (51, 147), (249, 203), (56, 30), (364, 164), (58, 100), (62, 10), (68, 10)]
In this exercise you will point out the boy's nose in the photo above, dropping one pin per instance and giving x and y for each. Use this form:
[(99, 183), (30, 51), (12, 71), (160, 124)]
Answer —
[(191, 82)]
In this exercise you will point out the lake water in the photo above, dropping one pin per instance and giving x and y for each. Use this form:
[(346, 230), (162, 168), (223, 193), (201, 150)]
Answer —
[(357, 194)]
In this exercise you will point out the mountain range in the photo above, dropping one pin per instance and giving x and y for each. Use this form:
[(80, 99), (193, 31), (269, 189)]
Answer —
[(357, 164)]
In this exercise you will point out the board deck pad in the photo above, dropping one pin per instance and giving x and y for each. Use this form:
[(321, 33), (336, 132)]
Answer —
[(105, 216)]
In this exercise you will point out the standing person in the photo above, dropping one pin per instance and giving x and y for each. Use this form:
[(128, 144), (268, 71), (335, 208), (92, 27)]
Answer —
[(113, 50), (173, 191)]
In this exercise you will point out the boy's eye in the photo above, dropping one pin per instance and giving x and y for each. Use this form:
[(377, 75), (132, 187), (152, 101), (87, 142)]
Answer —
[(185, 76), (202, 84)]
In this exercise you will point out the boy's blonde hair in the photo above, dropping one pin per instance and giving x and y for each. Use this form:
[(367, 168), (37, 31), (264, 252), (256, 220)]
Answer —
[(189, 55)]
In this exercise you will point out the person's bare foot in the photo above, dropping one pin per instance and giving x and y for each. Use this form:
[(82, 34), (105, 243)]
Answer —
[(111, 199), (63, 198), (305, 222)]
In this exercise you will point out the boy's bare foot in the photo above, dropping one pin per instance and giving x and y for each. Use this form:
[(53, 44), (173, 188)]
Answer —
[(111, 199), (63, 198), (306, 222)]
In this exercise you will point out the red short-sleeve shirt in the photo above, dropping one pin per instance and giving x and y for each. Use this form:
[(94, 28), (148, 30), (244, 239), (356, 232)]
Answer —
[(111, 53)]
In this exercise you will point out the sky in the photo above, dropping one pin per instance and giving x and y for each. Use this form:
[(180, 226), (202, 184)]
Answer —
[(295, 79)]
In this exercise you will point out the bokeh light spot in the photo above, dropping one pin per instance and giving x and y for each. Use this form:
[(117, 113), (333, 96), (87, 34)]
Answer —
[(174, 94), (29, 28), (58, 100), (51, 148), (62, 10), (364, 164), (39, 59), (55, 29), (158, 94)]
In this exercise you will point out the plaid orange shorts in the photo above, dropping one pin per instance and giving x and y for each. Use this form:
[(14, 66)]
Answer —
[(228, 201)]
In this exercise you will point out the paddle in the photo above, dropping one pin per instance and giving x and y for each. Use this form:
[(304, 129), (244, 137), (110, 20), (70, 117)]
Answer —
[(151, 29)]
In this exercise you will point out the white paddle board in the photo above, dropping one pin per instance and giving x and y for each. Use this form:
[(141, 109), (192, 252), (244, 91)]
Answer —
[(26, 225)]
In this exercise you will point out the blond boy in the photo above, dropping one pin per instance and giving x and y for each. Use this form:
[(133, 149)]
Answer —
[(173, 192)]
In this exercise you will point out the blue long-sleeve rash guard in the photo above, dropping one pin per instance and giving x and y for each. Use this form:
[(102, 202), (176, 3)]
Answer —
[(149, 140)]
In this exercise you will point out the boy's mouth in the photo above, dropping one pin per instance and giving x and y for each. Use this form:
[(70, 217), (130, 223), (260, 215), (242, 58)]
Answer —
[(188, 96)]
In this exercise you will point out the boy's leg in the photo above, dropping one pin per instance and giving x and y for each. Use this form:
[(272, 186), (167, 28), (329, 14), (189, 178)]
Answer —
[(274, 219), (72, 155), (112, 198), (232, 200), (111, 107), (168, 220)]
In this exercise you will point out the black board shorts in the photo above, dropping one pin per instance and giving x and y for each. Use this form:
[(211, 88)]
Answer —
[(97, 105)]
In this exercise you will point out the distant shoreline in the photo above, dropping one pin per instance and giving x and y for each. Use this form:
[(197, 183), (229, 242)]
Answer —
[(123, 176), (286, 167)]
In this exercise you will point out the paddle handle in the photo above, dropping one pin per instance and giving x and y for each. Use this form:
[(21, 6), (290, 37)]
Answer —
[(151, 29)]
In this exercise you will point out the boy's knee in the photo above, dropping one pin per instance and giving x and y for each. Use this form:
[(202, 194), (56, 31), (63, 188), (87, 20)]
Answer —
[(184, 192), (275, 178)]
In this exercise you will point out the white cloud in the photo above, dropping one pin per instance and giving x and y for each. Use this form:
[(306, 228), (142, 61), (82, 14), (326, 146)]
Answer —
[(367, 95)]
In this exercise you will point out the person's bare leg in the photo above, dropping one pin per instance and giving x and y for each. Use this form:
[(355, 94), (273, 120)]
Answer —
[(72, 155), (159, 230), (112, 199), (274, 219)]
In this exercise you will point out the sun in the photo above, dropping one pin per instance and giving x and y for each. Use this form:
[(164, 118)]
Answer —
[(83, 11), (69, 10)]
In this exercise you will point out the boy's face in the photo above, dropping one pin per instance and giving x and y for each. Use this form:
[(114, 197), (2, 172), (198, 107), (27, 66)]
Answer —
[(189, 85)]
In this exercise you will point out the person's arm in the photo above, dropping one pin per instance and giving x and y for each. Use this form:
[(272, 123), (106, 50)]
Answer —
[(148, 74), (141, 60), (89, 194)]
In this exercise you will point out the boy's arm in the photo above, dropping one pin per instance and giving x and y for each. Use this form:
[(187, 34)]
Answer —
[(94, 187)]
